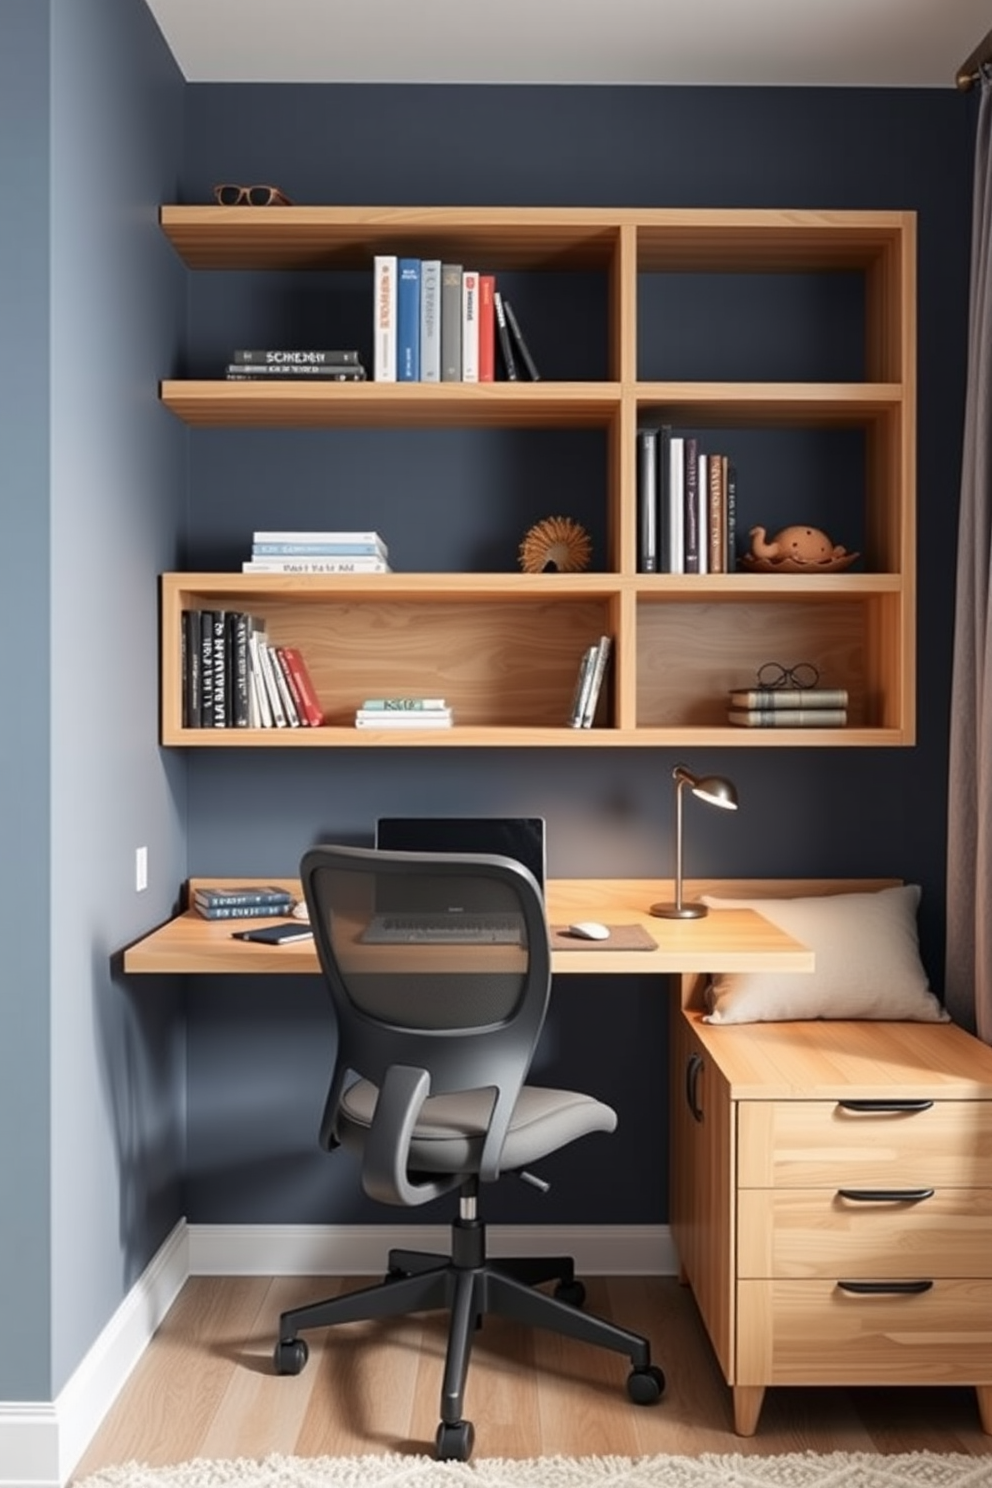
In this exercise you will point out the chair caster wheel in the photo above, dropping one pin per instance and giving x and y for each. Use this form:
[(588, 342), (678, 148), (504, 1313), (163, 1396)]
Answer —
[(573, 1292), (646, 1386), (289, 1358), (454, 1441)]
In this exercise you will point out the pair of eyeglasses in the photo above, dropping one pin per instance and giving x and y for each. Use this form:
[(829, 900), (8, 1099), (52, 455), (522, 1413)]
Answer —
[(774, 674), (250, 196)]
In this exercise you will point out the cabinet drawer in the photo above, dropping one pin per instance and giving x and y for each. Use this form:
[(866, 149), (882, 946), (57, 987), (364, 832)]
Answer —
[(814, 1332), (841, 1144), (808, 1232)]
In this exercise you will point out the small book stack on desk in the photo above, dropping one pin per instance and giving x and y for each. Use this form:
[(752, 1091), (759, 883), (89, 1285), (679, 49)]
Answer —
[(789, 707), (403, 713), (261, 901)]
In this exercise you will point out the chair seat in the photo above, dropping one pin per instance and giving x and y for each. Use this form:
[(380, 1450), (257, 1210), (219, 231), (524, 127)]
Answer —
[(448, 1136)]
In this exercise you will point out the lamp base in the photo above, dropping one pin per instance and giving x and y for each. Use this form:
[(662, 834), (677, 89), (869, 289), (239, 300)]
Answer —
[(679, 911)]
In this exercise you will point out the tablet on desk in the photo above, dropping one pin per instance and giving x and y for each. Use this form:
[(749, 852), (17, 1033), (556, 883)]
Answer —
[(275, 934)]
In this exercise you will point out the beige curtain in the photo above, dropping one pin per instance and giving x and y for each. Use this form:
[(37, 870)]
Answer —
[(968, 978)]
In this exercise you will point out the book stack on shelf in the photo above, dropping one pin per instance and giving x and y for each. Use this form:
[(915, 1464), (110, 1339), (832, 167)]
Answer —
[(233, 677), (686, 505), (263, 901), (443, 322), (294, 366), (788, 707), (403, 713), (317, 553), (589, 683)]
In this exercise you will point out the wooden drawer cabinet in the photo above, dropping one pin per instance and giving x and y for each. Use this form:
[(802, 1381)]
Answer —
[(832, 1203)]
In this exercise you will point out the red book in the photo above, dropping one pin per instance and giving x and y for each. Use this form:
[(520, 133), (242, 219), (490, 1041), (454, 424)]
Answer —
[(487, 328), (309, 702)]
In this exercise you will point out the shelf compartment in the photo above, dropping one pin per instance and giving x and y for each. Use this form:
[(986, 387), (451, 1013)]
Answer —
[(504, 655), (692, 651)]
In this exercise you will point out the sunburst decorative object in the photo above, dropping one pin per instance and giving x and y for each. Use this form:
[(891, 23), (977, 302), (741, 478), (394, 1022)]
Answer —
[(557, 544)]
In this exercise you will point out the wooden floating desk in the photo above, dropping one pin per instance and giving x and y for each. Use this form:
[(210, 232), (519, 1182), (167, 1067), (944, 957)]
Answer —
[(725, 940)]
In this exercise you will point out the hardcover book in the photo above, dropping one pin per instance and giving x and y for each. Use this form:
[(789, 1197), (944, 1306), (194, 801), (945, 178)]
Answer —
[(237, 897), (451, 322), (296, 358), (690, 530), (520, 345), (243, 912), (360, 563), (430, 320), (384, 317), (647, 500), (235, 372), (788, 717), (408, 321), (487, 328), (470, 326), (306, 537), (319, 550), (305, 689), (504, 338), (676, 503), (787, 698)]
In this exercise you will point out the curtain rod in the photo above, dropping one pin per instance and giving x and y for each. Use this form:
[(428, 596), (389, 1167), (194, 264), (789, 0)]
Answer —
[(970, 69)]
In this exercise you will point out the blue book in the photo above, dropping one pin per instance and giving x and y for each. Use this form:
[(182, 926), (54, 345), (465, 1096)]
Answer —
[(408, 321), (316, 549)]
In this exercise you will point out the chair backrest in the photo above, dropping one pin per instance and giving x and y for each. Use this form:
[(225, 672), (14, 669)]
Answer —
[(465, 1013)]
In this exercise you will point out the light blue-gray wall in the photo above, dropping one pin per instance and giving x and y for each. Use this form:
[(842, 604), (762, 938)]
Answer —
[(91, 1069)]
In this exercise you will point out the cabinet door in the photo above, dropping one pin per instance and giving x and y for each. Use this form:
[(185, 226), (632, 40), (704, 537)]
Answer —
[(702, 1184)]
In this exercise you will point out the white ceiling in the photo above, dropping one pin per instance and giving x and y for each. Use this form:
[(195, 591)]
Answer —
[(818, 43)]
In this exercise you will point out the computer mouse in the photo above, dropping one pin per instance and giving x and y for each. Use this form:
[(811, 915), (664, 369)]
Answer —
[(589, 930)]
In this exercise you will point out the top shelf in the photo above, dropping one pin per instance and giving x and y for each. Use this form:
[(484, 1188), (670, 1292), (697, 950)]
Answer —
[(667, 238)]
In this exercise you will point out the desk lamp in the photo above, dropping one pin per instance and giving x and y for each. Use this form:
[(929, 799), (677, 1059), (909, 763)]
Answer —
[(718, 792)]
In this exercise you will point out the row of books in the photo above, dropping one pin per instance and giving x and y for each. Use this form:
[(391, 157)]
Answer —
[(317, 553), (686, 505), (261, 901), (403, 713), (294, 366), (788, 707), (442, 322), (233, 677), (589, 682)]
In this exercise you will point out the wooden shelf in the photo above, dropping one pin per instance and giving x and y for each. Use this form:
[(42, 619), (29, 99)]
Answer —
[(504, 648)]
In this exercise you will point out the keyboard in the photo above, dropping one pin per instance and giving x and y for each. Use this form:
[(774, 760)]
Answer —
[(449, 930)]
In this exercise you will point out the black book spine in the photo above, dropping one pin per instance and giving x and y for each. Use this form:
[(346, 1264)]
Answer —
[(206, 668), (222, 691), (238, 622), (192, 661), (520, 343), (275, 358), (505, 344)]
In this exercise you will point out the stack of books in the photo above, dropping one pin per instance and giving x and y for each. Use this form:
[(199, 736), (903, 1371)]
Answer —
[(589, 682), (295, 366), (403, 713), (234, 677), (257, 902), (443, 322), (317, 553), (789, 707)]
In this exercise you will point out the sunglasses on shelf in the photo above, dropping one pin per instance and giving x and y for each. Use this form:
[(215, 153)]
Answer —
[(250, 196)]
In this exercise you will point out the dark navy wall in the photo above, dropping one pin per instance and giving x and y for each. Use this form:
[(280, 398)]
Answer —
[(258, 1054)]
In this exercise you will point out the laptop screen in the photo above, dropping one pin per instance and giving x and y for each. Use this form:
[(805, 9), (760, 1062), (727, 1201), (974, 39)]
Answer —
[(520, 837)]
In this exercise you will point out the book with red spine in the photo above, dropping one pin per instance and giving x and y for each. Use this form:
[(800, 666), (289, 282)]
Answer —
[(312, 710), (487, 328)]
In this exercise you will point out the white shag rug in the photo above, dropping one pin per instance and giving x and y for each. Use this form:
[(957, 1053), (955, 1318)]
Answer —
[(788, 1470)]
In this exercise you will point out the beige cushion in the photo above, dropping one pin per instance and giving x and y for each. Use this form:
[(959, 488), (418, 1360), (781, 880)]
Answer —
[(867, 962)]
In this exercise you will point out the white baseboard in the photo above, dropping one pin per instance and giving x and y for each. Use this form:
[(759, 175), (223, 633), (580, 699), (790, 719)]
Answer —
[(41, 1442), (360, 1250)]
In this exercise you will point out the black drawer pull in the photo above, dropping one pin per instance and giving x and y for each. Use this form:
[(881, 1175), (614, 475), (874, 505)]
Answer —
[(693, 1070), (874, 1288), (885, 1106), (885, 1195)]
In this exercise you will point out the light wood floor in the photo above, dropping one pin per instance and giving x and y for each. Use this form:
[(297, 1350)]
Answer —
[(205, 1387)]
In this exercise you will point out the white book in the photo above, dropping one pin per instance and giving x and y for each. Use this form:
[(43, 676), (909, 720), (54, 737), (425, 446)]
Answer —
[(430, 320), (285, 694), (272, 692), (317, 537), (344, 565), (470, 326), (384, 318), (583, 682), (396, 723), (676, 505), (596, 682), (256, 641)]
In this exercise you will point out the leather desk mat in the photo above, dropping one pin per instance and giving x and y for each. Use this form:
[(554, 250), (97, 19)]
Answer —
[(622, 938)]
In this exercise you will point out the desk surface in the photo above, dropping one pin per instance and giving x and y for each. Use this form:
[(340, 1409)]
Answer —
[(725, 940)]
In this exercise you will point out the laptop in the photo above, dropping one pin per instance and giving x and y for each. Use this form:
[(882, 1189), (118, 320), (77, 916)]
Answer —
[(456, 920)]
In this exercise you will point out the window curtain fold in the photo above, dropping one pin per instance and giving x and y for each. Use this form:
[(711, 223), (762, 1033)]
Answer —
[(968, 971)]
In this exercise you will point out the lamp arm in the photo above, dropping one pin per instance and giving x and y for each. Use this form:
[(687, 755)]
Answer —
[(678, 843)]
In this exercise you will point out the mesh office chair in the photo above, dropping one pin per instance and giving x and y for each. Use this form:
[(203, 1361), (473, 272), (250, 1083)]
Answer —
[(435, 1038)]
